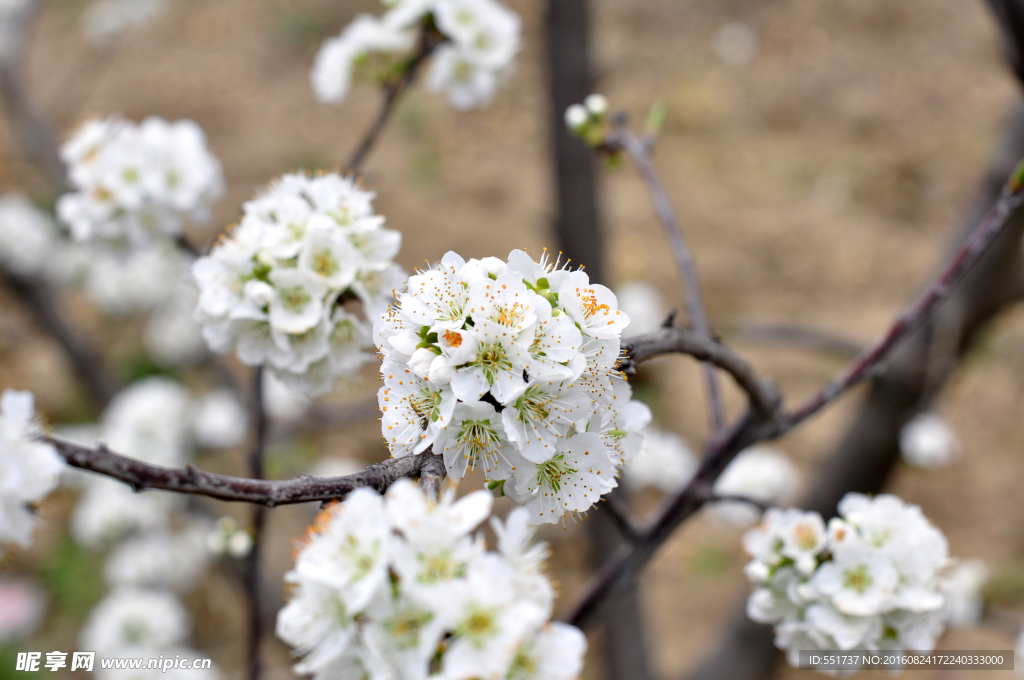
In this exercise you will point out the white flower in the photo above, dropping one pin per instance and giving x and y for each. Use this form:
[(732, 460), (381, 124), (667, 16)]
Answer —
[(488, 623), (927, 441), (759, 473), (568, 483), (108, 511), (150, 421), (27, 236), (555, 653), (135, 618), (476, 436), (276, 289), (597, 104), (482, 361), (29, 469), (527, 559), (414, 410), (576, 116), (424, 522), (664, 462), (592, 306), (172, 336)]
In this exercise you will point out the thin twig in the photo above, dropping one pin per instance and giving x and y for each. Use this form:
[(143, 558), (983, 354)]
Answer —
[(192, 480), (429, 39), (640, 153), (252, 565)]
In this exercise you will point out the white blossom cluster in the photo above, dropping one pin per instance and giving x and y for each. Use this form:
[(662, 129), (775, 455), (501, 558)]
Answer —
[(276, 288), (664, 462), (397, 587), (870, 579), (137, 184), (29, 469), (510, 367), (481, 39)]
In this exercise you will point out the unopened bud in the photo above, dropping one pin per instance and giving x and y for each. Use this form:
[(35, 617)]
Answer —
[(597, 105), (576, 117)]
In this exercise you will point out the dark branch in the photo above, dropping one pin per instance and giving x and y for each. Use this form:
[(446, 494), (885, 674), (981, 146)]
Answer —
[(789, 334), (251, 577), (192, 480)]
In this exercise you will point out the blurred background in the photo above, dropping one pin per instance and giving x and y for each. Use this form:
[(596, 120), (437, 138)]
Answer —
[(820, 156)]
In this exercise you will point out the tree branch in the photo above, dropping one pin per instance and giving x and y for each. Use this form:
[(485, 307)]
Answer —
[(192, 480), (640, 153)]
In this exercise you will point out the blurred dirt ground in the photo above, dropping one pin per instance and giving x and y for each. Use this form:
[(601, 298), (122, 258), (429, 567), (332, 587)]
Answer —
[(817, 183)]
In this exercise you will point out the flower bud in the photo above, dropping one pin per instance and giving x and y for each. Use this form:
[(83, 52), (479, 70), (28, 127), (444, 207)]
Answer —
[(596, 104), (576, 117)]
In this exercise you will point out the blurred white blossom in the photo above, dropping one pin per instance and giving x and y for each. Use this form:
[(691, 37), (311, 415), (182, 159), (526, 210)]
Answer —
[(759, 473), (132, 618), (643, 303), (161, 559), (27, 236), (963, 593), (29, 469), (22, 607), (735, 43), (219, 420), (138, 184), (927, 441), (665, 462), (282, 402), (482, 38)]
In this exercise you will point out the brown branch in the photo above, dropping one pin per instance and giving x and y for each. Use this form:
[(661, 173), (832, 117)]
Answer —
[(192, 480), (640, 153), (429, 39)]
